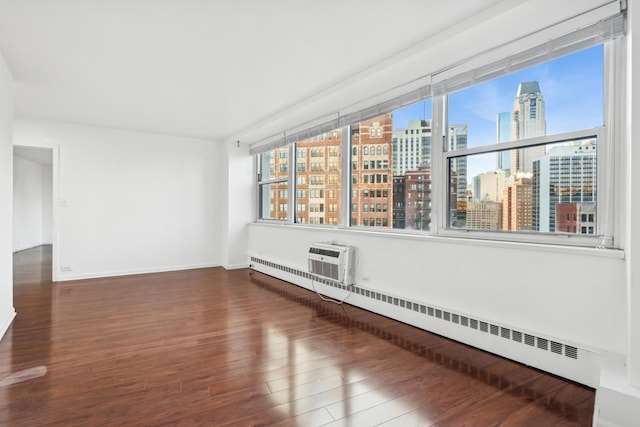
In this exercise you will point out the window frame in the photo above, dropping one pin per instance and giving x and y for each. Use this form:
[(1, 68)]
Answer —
[(261, 183), (598, 133), (606, 135)]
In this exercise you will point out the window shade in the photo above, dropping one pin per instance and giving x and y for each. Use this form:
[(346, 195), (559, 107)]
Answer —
[(603, 30), (592, 35)]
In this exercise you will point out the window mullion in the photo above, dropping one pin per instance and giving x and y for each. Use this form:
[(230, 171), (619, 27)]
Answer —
[(439, 177), (291, 180), (523, 143), (347, 173)]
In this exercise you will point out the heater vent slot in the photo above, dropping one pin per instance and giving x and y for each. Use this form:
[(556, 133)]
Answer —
[(333, 254)]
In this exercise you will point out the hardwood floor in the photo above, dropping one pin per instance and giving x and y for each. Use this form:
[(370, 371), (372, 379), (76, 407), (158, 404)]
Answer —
[(216, 347)]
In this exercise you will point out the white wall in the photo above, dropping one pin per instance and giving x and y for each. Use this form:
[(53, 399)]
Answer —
[(239, 209), (587, 298), (131, 202), (7, 312), (28, 204), (574, 296)]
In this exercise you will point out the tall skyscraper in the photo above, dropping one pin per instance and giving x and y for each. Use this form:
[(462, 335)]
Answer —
[(412, 147), (527, 121), (566, 175), (458, 171)]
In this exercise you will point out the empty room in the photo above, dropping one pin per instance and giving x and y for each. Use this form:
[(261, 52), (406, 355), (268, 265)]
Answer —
[(305, 213)]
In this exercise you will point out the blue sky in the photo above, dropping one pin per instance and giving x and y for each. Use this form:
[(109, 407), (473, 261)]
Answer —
[(572, 87)]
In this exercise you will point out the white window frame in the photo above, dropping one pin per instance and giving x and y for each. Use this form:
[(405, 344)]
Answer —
[(269, 181), (597, 133), (607, 137)]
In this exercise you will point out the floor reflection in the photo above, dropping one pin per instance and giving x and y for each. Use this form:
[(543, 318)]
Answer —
[(481, 371)]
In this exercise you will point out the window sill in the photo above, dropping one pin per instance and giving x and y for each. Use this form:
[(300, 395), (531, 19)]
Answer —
[(456, 238)]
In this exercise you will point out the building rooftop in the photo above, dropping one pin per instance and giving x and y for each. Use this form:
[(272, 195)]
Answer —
[(528, 87)]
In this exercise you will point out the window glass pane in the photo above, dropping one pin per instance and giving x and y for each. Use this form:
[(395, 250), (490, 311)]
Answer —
[(319, 179), (393, 169), (558, 96), (411, 161), (273, 200), (372, 170), (558, 196), (273, 165)]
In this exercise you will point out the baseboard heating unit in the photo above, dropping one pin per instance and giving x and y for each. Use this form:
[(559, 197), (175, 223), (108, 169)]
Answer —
[(544, 352)]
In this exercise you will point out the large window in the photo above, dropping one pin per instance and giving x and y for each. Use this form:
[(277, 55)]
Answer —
[(507, 155), (550, 116)]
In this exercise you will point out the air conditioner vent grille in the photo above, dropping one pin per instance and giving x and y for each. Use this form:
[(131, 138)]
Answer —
[(325, 252), (332, 261)]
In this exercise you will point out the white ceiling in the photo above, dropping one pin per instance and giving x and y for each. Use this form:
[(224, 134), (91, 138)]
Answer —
[(207, 69)]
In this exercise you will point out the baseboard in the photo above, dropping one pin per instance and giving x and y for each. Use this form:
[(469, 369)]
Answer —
[(235, 266), (31, 247), (116, 273), (6, 322), (558, 356)]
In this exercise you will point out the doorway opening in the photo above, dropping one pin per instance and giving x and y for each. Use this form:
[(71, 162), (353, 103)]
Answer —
[(33, 204)]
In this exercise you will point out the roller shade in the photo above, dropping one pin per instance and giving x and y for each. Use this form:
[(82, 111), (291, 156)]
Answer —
[(448, 80)]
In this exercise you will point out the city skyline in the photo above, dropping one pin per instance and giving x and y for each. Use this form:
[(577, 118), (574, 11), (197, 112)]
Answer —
[(571, 85), (390, 182)]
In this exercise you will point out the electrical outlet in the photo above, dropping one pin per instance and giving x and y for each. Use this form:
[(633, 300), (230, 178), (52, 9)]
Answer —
[(66, 268), (366, 279)]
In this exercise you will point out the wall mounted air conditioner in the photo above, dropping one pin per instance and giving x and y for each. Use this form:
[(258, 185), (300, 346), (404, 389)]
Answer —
[(332, 261)]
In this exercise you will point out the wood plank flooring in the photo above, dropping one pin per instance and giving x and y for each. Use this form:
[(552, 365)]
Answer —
[(239, 348)]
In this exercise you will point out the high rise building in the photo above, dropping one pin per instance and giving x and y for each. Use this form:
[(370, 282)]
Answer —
[(527, 121), (567, 174), (489, 186), (486, 215), (411, 147), (399, 202), (517, 205), (318, 178), (458, 170), (372, 173), (417, 199), (577, 218), (277, 194)]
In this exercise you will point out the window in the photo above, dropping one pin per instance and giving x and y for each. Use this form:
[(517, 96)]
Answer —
[(323, 179), (533, 186), (273, 184), (522, 154), (404, 157)]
